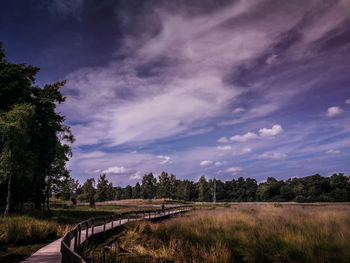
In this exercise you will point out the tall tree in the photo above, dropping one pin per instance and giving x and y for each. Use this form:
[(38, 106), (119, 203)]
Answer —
[(15, 157), (149, 186), (204, 191), (136, 191), (104, 190), (48, 138), (89, 192), (163, 187)]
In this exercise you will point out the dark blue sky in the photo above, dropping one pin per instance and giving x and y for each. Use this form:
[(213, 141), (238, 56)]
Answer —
[(220, 88)]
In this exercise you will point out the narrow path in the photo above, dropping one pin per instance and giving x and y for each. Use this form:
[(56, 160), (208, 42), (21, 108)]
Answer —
[(51, 253)]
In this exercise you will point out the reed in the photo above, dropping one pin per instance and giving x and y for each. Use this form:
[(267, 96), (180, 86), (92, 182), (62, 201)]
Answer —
[(243, 233)]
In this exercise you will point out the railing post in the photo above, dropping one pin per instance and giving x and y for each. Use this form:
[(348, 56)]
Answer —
[(76, 238), (92, 227), (120, 219), (87, 230), (104, 226), (112, 223), (128, 216), (79, 238)]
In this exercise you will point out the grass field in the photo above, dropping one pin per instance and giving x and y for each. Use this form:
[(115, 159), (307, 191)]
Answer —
[(240, 233), (24, 233)]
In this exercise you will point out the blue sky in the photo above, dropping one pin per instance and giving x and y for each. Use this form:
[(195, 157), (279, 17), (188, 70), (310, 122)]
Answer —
[(202, 87)]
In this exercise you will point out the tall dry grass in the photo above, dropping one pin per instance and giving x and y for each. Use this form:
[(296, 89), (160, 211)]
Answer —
[(27, 230), (245, 233)]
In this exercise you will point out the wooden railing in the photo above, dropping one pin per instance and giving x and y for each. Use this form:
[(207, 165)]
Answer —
[(100, 225)]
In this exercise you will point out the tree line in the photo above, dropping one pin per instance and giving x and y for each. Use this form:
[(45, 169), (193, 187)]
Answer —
[(315, 188), (34, 142)]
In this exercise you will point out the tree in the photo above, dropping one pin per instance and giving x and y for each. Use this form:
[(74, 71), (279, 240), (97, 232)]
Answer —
[(149, 186), (204, 192), (104, 190), (118, 193), (136, 191), (163, 187), (89, 192), (15, 157), (67, 189), (127, 192), (48, 139)]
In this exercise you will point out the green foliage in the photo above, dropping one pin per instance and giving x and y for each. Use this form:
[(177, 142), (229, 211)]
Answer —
[(308, 189), (88, 192), (149, 186), (35, 144), (204, 193), (136, 191), (104, 190)]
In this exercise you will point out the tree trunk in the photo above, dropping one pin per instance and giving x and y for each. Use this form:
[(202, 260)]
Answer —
[(8, 199)]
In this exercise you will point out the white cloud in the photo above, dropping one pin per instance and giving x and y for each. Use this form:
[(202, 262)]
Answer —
[(223, 140), (205, 163), (224, 148), (276, 129), (347, 101), (116, 170), (165, 159), (274, 156), (245, 137), (231, 170), (136, 176), (220, 163), (246, 150), (331, 151), (238, 110), (129, 107), (332, 111)]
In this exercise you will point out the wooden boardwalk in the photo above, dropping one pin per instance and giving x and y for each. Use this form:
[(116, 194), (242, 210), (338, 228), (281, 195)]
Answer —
[(51, 253)]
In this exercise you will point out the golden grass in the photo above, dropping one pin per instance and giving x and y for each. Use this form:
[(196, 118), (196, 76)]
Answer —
[(27, 230), (245, 233)]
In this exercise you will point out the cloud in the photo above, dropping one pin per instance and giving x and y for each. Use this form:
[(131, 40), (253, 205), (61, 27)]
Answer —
[(347, 101), (175, 74), (271, 59), (72, 8), (276, 129), (205, 163), (171, 61), (333, 111), (165, 159), (246, 150), (331, 151), (224, 148), (116, 170), (136, 176), (238, 110), (223, 140), (231, 170), (220, 163), (244, 137), (273, 156)]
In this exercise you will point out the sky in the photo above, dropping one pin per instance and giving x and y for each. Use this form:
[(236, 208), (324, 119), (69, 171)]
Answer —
[(193, 87)]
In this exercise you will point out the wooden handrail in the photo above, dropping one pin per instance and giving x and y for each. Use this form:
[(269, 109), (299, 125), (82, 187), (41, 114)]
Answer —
[(70, 255)]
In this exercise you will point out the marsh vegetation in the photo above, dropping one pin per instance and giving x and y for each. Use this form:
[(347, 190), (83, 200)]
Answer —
[(240, 233)]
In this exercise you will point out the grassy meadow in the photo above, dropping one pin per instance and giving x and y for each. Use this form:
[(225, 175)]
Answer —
[(24, 233), (237, 233)]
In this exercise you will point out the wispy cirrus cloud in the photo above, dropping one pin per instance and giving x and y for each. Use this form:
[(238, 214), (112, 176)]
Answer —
[(177, 74)]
